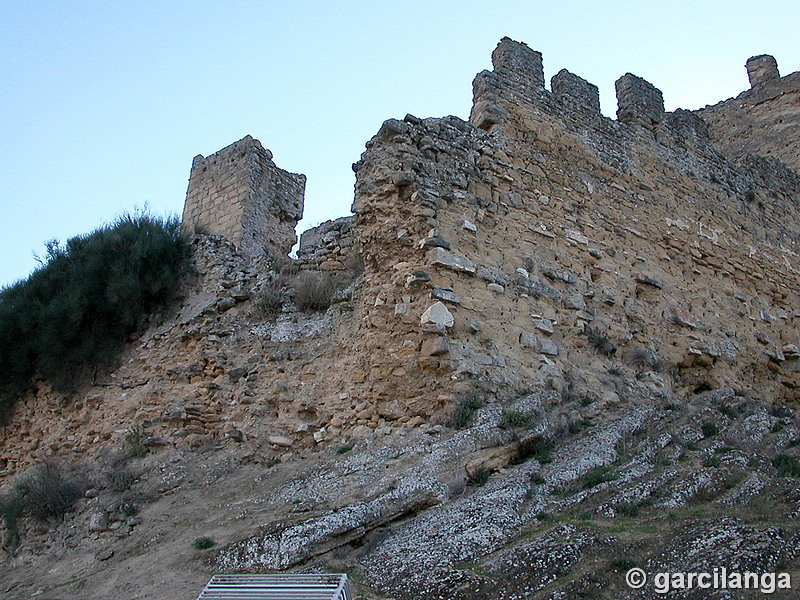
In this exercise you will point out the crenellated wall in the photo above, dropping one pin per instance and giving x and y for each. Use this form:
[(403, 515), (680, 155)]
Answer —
[(492, 246)]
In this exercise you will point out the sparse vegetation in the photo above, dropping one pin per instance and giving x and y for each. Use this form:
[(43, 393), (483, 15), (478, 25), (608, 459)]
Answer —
[(314, 290), (75, 312), (628, 510), (642, 358), (269, 300), (44, 492), (622, 563), (597, 476), (121, 479), (204, 543), (536, 447), (466, 405), (514, 418), (344, 449), (135, 443), (479, 476), (709, 429), (601, 343), (285, 265)]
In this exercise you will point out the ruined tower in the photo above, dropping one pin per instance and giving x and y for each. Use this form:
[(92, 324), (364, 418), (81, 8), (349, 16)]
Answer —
[(239, 193)]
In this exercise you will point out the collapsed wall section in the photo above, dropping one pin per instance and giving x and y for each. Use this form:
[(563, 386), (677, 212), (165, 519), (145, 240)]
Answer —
[(239, 193)]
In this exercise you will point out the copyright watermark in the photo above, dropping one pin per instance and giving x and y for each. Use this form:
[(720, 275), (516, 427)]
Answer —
[(717, 579)]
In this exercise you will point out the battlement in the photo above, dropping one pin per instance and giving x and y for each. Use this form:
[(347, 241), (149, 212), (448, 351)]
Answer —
[(239, 193), (518, 79), (761, 69), (639, 101), (576, 93)]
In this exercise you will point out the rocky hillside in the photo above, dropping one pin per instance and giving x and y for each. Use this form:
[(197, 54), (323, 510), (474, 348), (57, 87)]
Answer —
[(551, 347)]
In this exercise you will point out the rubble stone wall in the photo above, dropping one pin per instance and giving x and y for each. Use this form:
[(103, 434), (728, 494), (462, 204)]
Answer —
[(329, 246), (492, 246)]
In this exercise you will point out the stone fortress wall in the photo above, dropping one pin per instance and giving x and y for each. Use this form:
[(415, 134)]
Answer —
[(491, 249), (540, 218)]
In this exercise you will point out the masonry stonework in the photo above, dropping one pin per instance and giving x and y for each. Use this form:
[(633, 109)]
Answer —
[(241, 194), (497, 252)]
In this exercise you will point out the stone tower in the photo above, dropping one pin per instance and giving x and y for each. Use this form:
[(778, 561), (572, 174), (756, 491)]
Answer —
[(239, 193)]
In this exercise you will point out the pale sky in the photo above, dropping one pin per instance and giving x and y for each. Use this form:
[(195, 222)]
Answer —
[(103, 105)]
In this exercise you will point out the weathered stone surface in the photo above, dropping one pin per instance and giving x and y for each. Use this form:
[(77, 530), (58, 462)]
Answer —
[(640, 102), (762, 69), (435, 242), (449, 260), (545, 179), (239, 193), (435, 346), (280, 440), (445, 295), (438, 315), (99, 521), (496, 288)]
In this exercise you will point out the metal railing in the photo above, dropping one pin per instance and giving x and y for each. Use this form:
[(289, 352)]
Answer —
[(317, 586)]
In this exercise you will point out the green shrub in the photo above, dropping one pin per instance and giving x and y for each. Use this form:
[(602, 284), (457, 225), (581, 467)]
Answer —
[(628, 510), (536, 447), (204, 543), (479, 476), (122, 480), (787, 466), (709, 429), (465, 406), (135, 443), (75, 312), (597, 476), (344, 449), (622, 563), (515, 418)]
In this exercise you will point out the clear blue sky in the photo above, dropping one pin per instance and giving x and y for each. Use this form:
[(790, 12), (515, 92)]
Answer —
[(103, 105)]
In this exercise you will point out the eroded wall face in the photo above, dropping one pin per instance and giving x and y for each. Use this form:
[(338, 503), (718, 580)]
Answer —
[(240, 194), (492, 250)]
